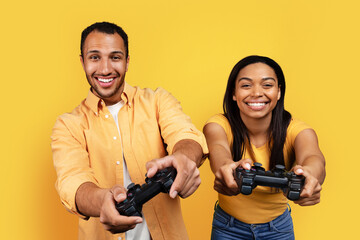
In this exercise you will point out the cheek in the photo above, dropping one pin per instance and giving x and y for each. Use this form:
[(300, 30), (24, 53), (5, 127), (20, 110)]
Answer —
[(120, 67), (274, 94), (239, 95), (90, 68), (239, 99)]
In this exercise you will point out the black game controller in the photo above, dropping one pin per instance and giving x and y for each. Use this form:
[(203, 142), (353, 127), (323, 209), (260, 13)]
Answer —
[(289, 182), (138, 195)]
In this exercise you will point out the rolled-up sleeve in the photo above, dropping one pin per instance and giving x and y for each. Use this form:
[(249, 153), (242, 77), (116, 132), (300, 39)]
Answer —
[(71, 160), (174, 124)]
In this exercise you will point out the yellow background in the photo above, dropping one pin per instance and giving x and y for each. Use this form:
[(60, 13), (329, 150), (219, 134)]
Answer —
[(188, 47)]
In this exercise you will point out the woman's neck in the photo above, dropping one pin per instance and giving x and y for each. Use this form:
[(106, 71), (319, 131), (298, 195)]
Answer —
[(258, 129)]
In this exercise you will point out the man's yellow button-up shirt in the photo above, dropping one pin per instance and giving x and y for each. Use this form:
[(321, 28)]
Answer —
[(87, 147)]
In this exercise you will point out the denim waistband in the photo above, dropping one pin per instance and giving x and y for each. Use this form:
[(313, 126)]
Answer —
[(228, 218)]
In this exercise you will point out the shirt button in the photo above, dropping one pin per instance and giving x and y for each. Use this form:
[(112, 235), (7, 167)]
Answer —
[(114, 138), (106, 116), (117, 162), (119, 238)]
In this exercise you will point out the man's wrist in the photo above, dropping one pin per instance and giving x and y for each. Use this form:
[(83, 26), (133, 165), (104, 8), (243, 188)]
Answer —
[(89, 199), (191, 150)]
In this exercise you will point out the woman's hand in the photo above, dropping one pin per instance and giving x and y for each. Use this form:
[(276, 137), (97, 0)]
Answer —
[(224, 178), (311, 164), (310, 194)]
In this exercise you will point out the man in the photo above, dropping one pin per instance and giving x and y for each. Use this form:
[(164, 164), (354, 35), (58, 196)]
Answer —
[(115, 136)]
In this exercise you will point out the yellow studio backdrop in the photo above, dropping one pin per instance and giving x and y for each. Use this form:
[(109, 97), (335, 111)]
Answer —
[(189, 48)]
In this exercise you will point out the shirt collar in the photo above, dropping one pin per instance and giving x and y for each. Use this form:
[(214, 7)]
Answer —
[(128, 94), (95, 103)]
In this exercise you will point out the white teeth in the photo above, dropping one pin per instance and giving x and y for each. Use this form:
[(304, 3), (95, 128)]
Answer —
[(105, 80), (256, 104)]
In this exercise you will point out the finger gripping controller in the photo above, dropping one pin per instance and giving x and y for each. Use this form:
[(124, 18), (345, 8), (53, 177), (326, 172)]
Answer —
[(289, 182), (138, 195)]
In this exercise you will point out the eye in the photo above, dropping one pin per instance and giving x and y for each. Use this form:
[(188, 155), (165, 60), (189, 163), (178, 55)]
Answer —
[(245, 85), (116, 57), (268, 85), (94, 57)]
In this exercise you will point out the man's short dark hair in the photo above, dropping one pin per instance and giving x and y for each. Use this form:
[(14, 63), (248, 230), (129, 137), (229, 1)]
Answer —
[(105, 27)]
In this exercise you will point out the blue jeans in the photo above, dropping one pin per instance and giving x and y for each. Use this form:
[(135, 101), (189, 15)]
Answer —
[(227, 227)]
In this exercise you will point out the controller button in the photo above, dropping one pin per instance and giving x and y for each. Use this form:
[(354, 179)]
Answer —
[(246, 190), (168, 184), (280, 167), (247, 181), (130, 210), (257, 164), (295, 186), (292, 175), (293, 195)]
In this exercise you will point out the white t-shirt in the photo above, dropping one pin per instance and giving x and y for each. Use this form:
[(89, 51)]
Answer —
[(141, 230)]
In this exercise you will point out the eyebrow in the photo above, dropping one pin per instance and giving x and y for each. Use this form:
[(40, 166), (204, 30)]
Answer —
[(97, 51), (264, 79)]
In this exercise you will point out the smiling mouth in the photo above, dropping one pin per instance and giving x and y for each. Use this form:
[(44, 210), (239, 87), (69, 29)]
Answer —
[(105, 80), (256, 104)]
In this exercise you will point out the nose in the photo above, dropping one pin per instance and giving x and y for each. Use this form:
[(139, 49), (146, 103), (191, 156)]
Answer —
[(104, 67), (257, 91)]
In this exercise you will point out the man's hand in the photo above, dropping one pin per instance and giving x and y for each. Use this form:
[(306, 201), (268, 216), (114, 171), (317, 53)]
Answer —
[(224, 178), (187, 155), (93, 201), (310, 195), (188, 175), (110, 217)]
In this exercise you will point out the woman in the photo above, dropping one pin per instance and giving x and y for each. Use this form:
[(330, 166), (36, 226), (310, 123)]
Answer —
[(255, 127)]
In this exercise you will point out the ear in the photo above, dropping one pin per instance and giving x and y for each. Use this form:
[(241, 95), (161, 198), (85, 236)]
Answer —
[(82, 62), (279, 92), (234, 97), (127, 63)]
